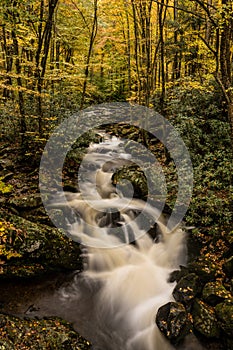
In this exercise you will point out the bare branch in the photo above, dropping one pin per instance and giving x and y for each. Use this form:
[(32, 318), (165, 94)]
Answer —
[(180, 9), (207, 44)]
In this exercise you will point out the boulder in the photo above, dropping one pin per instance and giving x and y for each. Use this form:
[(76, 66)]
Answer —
[(187, 288), (17, 334), (205, 320), (224, 312), (204, 268), (214, 293), (173, 321), (29, 248)]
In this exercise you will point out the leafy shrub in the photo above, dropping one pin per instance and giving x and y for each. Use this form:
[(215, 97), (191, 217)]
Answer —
[(198, 114)]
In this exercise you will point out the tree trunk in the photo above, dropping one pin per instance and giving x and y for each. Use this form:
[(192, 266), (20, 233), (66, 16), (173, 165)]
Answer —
[(92, 39), (162, 55), (23, 127)]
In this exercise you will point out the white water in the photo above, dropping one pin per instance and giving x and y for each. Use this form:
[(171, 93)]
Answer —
[(115, 300)]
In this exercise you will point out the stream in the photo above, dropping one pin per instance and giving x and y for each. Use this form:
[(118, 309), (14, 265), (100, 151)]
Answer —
[(113, 302)]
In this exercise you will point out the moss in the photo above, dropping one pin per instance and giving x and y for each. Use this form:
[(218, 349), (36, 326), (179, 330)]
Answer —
[(18, 334), (205, 320), (28, 248)]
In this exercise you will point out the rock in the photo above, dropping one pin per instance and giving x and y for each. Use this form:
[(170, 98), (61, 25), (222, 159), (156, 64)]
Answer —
[(214, 293), (187, 288), (31, 248), (224, 312), (176, 275), (135, 176), (205, 320), (228, 266), (173, 321), (204, 268), (17, 334)]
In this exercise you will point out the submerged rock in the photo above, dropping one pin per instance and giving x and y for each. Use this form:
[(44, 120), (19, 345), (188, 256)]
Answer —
[(173, 321)]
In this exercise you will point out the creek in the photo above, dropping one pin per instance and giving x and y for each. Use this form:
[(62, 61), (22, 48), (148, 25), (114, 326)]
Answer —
[(113, 302)]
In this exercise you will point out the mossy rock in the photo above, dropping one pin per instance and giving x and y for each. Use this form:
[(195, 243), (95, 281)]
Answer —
[(224, 313), (173, 321), (214, 293), (205, 269), (205, 320), (30, 248), (17, 334), (228, 266), (131, 174), (187, 288)]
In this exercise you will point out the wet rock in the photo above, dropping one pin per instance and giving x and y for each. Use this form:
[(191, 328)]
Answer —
[(214, 293), (176, 275), (204, 268), (205, 320), (135, 176), (187, 288), (228, 266), (173, 321), (224, 312)]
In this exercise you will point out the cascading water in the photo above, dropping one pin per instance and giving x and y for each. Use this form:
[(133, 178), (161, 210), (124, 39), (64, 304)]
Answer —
[(114, 301)]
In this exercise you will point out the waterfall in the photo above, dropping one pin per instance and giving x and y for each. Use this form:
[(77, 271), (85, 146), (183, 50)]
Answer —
[(114, 301)]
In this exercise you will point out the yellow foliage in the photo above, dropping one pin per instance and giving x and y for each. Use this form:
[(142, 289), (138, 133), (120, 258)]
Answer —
[(5, 188), (6, 251)]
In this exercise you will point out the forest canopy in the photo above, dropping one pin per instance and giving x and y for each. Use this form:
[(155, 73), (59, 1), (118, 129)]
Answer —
[(64, 55)]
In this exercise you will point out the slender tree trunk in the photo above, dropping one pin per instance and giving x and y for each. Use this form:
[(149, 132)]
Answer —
[(44, 38), (91, 44), (226, 61), (23, 127), (162, 55), (175, 69), (8, 62), (128, 39)]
